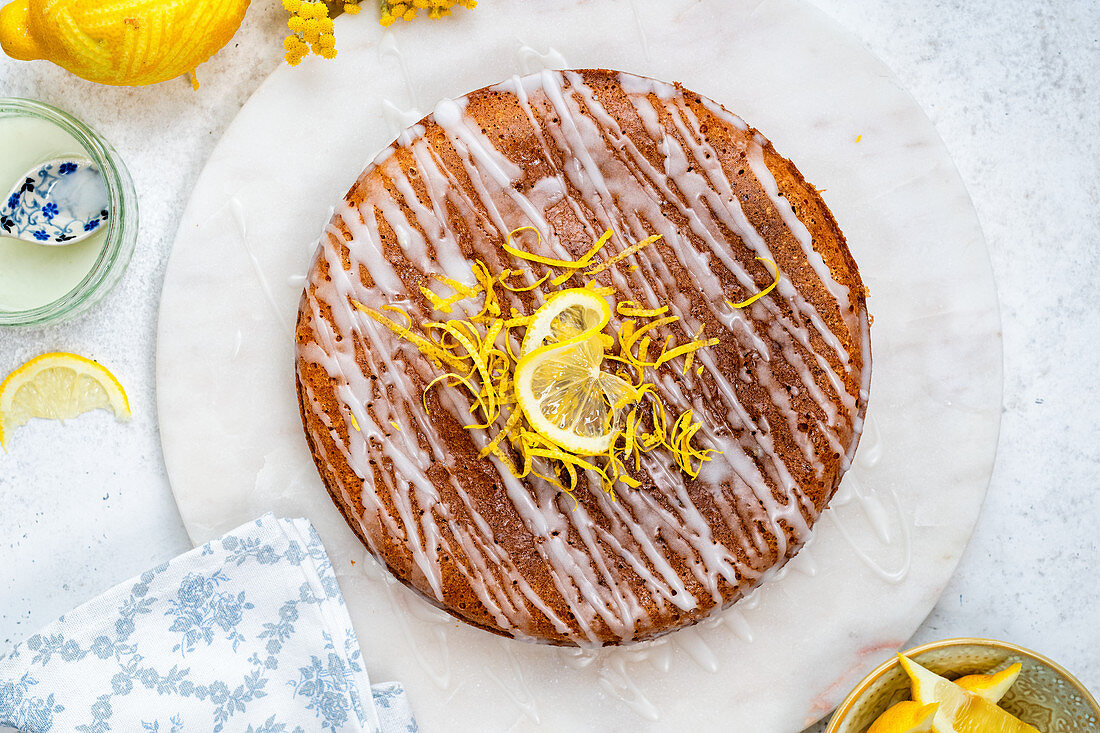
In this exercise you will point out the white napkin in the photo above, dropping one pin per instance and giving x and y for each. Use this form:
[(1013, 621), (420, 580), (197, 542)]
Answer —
[(247, 633)]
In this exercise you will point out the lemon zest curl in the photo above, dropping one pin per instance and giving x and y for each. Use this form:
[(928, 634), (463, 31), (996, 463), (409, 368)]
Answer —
[(775, 281)]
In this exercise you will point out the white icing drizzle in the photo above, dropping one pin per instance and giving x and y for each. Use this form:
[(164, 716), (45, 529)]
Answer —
[(530, 60), (399, 119), (697, 648), (870, 444), (516, 688), (405, 607), (238, 340), (603, 570), (388, 47), (738, 624), (616, 681), (839, 291), (878, 516), (236, 208), (643, 39)]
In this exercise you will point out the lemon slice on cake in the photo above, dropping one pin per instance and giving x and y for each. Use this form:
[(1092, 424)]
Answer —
[(58, 386), (560, 386), (960, 711), (566, 315)]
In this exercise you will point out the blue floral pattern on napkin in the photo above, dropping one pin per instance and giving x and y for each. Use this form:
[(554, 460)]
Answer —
[(246, 633)]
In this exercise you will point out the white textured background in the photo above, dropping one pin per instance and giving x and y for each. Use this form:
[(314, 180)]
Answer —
[(1013, 86)]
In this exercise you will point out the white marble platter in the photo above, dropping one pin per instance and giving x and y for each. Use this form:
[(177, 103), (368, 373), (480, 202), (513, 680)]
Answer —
[(881, 554)]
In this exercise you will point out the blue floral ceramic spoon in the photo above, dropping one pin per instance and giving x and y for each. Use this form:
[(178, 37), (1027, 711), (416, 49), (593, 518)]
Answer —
[(58, 202)]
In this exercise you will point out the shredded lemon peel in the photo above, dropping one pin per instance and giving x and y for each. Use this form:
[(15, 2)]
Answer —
[(630, 309), (623, 255), (775, 281), (524, 289), (478, 354)]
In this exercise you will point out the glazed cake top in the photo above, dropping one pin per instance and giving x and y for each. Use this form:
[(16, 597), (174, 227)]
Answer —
[(781, 396)]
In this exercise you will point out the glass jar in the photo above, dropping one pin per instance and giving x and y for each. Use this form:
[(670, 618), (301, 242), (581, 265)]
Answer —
[(115, 248)]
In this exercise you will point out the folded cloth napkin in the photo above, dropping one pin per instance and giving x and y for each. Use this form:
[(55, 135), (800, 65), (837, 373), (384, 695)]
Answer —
[(247, 633)]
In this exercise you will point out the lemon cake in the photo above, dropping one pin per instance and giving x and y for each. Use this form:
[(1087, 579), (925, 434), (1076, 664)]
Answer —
[(581, 358)]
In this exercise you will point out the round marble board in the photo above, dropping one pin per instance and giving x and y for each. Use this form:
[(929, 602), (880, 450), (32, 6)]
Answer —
[(880, 555)]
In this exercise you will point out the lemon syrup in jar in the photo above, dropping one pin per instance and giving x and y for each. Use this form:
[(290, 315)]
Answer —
[(47, 282)]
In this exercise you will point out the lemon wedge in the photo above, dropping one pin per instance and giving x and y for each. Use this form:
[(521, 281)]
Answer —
[(905, 717), (960, 711), (991, 687), (560, 386), (58, 386)]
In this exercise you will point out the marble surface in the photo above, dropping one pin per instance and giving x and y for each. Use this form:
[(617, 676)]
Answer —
[(904, 513), (1011, 87)]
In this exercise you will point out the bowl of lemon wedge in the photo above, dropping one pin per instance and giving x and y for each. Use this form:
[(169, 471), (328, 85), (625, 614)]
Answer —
[(968, 686)]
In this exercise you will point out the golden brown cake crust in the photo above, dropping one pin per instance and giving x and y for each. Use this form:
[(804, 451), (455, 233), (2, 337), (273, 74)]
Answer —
[(782, 394)]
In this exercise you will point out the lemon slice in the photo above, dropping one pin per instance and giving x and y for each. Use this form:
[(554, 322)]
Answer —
[(960, 711), (58, 386), (566, 315), (991, 687), (905, 717), (563, 392)]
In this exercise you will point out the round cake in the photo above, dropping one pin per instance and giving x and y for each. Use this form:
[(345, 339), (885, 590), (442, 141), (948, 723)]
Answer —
[(684, 218)]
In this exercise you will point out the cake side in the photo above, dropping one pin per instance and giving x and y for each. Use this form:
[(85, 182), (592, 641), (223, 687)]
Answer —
[(782, 394)]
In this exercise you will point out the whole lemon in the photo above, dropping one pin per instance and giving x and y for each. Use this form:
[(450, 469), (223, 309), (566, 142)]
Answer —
[(123, 43)]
